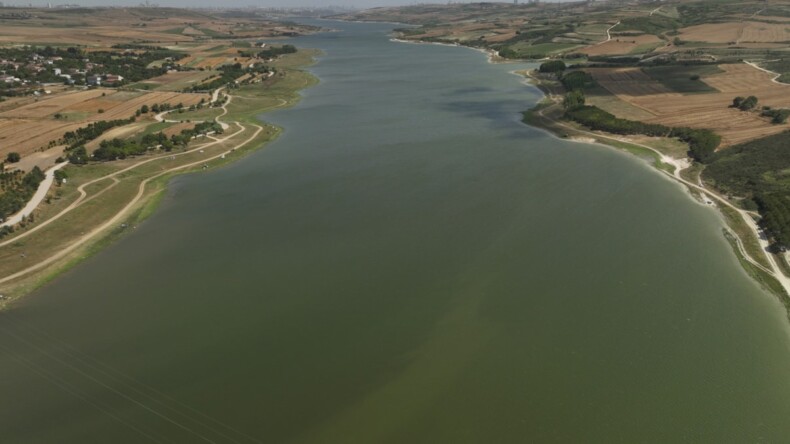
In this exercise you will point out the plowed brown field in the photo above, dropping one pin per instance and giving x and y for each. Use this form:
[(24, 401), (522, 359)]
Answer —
[(32, 127), (702, 110)]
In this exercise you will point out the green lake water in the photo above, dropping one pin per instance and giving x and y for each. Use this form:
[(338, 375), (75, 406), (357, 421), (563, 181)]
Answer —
[(408, 263)]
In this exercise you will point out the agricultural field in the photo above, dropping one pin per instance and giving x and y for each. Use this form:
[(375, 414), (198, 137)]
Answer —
[(164, 26), (658, 92), (638, 44), (33, 121), (674, 29), (736, 33), (684, 79), (35, 126)]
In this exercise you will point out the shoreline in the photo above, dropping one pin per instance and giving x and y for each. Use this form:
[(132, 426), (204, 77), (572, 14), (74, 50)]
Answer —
[(771, 279), (769, 276), (493, 56), (253, 134)]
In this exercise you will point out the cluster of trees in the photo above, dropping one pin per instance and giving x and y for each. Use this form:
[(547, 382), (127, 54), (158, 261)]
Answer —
[(118, 149), (228, 75), (755, 170), (84, 135), (577, 80), (553, 66), (573, 99), (138, 46), (159, 107), (778, 116), (775, 211), (744, 103), (274, 52), (598, 119), (753, 167), (134, 66), (702, 142), (123, 148), (271, 52), (17, 190)]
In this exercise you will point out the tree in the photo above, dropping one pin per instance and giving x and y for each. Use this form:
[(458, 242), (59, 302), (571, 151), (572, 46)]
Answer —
[(13, 157), (78, 156), (748, 104), (552, 66), (144, 109), (60, 176), (736, 102), (573, 100)]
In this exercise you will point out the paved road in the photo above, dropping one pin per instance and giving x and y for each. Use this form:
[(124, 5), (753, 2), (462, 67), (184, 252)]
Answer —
[(41, 193)]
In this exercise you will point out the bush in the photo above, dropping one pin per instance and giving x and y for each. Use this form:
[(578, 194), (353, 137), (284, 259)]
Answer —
[(778, 116), (13, 157), (744, 104)]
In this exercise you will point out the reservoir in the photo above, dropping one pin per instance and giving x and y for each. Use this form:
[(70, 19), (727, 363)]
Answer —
[(408, 263)]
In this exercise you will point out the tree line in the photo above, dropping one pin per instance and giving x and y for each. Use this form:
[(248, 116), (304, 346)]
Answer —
[(702, 142), (81, 136), (228, 75), (116, 148)]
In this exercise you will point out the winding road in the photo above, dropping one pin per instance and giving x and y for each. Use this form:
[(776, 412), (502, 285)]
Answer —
[(38, 197), (125, 211)]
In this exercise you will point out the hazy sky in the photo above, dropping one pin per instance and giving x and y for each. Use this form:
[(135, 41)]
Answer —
[(229, 3), (199, 3)]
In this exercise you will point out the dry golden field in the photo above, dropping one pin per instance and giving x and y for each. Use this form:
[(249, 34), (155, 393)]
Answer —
[(622, 45), (737, 32), (50, 105), (31, 127), (710, 110)]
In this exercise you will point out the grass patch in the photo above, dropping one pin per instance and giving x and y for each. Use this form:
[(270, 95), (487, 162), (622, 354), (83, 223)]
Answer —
[(199, 114), (766, 281), (601, 97), (142, 85), (525, 50), (644, 48), (745, 233)]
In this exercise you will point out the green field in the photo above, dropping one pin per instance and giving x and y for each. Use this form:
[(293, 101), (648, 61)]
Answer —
[(526, 50), (646, 47), (678, 78), (200, 114)]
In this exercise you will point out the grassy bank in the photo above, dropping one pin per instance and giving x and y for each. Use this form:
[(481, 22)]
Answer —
[(102, 202)]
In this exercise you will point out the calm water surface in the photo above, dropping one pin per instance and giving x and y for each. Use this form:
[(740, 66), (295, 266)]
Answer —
[(407, 264)]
